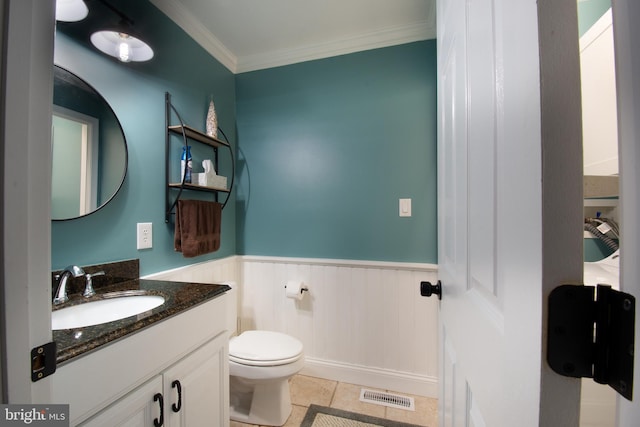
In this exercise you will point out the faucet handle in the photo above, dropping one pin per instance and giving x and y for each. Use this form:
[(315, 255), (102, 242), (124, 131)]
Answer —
[(88, 289)]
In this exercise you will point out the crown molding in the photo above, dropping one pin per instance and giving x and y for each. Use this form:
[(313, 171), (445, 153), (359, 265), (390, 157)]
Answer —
[(374, 40), (424, 30), (192, 26)]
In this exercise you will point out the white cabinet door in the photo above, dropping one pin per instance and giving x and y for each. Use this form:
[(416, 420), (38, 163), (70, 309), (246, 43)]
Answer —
[(196, 388), (136, 409), (194, 392)]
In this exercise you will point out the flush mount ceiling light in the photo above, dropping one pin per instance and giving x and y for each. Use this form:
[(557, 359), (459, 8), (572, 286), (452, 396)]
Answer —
[(71, 10), (120, 42)]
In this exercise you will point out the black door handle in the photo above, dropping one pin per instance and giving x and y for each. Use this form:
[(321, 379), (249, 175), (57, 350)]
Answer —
[(427, 289), (159, 422), (174, 407)]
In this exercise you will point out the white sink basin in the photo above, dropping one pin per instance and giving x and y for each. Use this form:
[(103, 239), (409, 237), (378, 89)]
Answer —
[(103, 311)]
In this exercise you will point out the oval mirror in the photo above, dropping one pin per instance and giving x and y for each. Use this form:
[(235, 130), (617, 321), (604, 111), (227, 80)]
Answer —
[(89, 149)]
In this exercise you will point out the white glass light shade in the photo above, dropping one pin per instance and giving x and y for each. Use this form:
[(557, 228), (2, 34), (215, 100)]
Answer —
[(122, 46), (71, 10)]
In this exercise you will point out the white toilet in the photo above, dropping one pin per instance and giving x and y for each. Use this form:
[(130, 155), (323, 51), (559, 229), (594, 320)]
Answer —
[(260, 365)]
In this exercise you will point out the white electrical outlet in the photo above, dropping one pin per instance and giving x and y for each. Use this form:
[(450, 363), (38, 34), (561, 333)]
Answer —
[(145, 235)]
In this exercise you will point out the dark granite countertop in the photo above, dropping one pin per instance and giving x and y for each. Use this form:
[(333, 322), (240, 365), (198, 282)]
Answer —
[(178, 298)]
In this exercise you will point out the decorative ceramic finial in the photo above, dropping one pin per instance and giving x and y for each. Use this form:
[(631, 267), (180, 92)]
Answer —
[(212, 120)]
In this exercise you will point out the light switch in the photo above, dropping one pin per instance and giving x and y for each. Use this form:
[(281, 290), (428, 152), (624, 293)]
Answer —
[(405, 207)]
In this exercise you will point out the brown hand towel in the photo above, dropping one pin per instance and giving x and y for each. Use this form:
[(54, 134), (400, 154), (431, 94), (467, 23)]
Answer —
[(197, 229)]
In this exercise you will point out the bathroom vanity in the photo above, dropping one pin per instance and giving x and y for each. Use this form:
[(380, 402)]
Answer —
[(162, 367)]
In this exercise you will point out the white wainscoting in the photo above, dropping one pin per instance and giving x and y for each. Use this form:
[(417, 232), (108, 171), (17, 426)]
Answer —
[(362, 322)]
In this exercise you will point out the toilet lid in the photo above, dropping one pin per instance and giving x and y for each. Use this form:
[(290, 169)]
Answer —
[(264, 348)]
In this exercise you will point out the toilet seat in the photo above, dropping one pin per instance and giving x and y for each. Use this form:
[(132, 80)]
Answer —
[(264, 348)]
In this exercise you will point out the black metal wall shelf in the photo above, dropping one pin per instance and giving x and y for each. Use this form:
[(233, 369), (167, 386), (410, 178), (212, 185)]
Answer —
[(196, 135), (190, 134), (195, 187)]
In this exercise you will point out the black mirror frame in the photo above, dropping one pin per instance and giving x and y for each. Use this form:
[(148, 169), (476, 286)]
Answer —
[(124, 140)]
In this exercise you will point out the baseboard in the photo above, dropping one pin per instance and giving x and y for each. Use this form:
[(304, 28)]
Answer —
[(400, 382)]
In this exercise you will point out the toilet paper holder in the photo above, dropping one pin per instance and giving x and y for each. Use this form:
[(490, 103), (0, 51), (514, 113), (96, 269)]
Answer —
[(302, 289), (298, 289)]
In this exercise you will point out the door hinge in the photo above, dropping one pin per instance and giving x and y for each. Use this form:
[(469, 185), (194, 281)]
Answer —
[(593, 337), (43, 361)]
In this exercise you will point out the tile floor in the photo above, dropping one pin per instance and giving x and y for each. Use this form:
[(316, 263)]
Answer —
[(309, 390)]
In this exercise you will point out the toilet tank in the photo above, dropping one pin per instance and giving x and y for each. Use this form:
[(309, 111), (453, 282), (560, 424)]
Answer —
[(232, 308)]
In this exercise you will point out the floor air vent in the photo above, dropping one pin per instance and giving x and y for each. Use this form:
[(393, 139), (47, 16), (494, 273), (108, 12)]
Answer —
[(387, 399)]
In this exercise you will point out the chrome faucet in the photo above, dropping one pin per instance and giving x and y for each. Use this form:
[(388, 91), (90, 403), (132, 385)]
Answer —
[(88, 289), (61, 293)]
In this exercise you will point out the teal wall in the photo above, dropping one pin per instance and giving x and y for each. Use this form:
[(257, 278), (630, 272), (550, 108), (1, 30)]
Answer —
[(136, 94), (589, 11), (324, 151), (328, 147)]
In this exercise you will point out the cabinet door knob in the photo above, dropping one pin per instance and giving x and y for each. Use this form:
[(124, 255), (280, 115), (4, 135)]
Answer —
[(427, 289), (160, 422), (174, 407)]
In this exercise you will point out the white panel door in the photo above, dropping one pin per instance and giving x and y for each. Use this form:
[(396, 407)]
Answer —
[(492, 252)]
